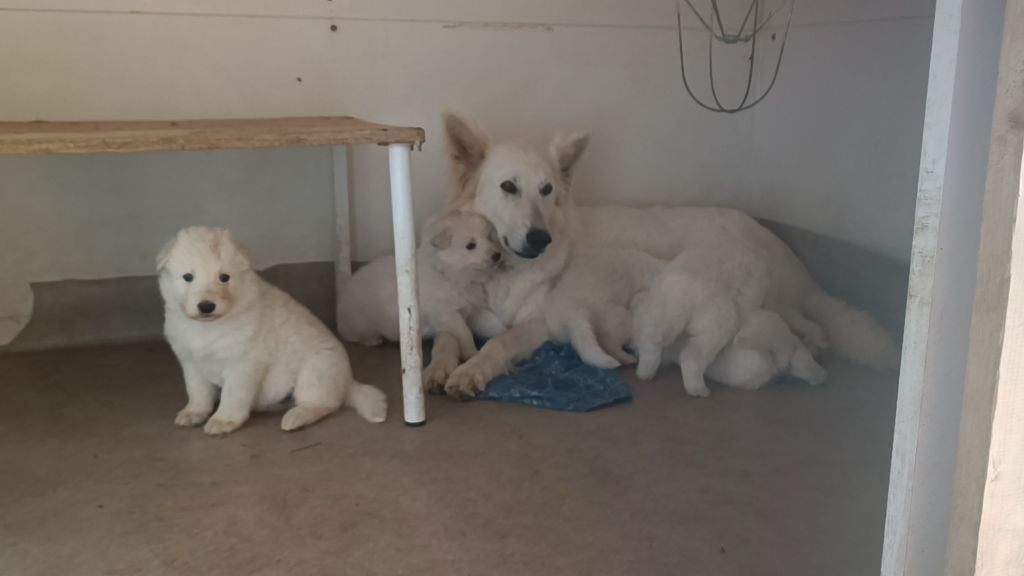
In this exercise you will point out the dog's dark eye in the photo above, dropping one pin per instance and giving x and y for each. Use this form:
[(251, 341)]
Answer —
[(224, 278), (545, 189), (509, 187), (471, 245), (187, 277)]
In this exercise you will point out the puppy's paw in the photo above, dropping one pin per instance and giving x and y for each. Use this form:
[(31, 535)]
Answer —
[(805, 368), (216, 426), (699, 390), (605, 362), (436, 374), (645, 371), (625, 358), (816, 376), (814, 339), (191, 417), (465, 382), (371, 341)]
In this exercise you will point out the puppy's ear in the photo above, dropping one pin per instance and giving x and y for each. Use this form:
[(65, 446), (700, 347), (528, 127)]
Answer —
[(240, 254), (165, 253), (566, 151), (467, 146), (440, 236)]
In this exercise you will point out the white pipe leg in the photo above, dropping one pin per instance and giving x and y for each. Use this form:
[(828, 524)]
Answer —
[(405, 269), (342, 225)]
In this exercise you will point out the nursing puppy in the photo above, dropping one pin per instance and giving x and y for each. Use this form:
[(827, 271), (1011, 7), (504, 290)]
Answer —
[(764, 349), (236, 335), (696, 305), (458, 254), (589, 307)]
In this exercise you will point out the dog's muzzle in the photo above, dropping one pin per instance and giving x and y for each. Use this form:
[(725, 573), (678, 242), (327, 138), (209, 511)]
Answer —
[(537, 240)]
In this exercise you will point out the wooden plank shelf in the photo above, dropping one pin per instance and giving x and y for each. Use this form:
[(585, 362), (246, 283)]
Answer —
[(181, 135)]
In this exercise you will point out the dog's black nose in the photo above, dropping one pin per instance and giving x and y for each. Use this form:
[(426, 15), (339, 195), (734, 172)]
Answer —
[(206, 307), (538, 239), (496, 256)]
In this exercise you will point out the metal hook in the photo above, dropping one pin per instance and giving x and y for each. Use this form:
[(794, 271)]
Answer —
[(733, 38)]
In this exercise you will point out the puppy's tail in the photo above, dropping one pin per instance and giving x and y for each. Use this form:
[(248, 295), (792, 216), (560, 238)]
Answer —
[(852, 333), (368, 401)]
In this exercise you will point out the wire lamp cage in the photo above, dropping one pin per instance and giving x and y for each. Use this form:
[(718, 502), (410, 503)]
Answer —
[(755, 21)]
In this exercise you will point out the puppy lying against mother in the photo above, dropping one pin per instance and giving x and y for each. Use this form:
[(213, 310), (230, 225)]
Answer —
[(457, 255), (527, 197)]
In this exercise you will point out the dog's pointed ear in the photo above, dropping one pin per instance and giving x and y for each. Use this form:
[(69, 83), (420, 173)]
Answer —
[(241, 251), (566, 151), (165, 253), (467, 145)]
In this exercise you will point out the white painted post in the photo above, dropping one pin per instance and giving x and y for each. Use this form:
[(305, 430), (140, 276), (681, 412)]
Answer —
[(405, 269), (342, 223), (957, 130)]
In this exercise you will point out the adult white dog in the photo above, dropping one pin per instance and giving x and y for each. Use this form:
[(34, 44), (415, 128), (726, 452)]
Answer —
[(236, 335), (526, 196)]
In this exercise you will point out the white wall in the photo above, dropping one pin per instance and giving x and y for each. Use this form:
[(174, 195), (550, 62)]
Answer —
[(834, 149)]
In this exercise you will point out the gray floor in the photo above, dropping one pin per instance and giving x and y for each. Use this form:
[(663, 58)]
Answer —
[(95, 479)]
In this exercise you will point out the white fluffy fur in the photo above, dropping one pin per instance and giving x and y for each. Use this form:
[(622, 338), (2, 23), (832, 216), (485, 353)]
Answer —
[(516, 295), (763, 349), (820, 320), (257, 348), (589, 306), (698, 302), (457, 255)]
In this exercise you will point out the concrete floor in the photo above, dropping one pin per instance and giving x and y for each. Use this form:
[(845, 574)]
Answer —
[(95, 479)]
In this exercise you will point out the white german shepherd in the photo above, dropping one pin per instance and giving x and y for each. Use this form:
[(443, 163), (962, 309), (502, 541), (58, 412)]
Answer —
[(526, 196)]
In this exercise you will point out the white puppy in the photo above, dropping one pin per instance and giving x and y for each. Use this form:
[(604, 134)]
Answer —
[(236, 334), (457, 256), (763, 349), (696, 305), (589, 305)]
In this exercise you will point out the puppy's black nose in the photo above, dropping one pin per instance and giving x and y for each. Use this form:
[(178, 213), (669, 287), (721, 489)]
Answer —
[(206, 307), (538, 239), (496, 256)]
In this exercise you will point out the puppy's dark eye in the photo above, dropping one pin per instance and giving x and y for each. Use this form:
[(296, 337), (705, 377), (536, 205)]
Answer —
[(545, 189), (509, 187), (471, 245), (187, 277), (224, 278)]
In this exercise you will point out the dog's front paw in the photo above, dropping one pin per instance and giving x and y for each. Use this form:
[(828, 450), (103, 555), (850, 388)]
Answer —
[(436, 374), (465, 382), (216, 426), (191, 417)]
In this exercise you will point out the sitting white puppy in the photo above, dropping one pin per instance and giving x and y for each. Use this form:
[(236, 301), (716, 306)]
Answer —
[(589, 305), (236, 334), (457, 256)]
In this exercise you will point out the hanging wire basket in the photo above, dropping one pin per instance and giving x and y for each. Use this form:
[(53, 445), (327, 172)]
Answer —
[(747, 33)]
